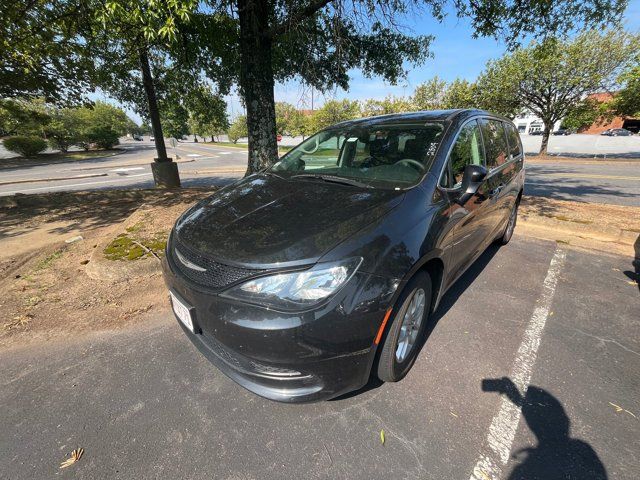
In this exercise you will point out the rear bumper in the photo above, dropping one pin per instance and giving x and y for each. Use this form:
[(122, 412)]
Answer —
[(289, 357)]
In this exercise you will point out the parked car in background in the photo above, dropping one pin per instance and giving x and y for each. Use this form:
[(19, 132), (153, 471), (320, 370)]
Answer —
[(137, 137), (617, 132), (301, 281), (152, 138), (535, 132), (562, 131)]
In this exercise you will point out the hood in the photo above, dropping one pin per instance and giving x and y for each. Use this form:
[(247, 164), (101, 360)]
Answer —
[(264, 220)]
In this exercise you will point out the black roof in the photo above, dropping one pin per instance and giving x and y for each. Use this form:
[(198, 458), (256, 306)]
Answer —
[(414, 117)]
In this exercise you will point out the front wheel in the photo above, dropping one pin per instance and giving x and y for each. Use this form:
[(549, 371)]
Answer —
[(401, 345)]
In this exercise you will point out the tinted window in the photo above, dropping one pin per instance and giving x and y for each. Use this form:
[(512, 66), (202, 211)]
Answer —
[(495, 143), (514, 139), (466, 151)]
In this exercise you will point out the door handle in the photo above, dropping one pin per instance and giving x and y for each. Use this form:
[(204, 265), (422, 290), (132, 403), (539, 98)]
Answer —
[(497, 190)]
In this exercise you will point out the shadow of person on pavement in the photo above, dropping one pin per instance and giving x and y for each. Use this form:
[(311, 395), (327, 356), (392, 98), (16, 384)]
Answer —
[(635, 274), (557, 455)]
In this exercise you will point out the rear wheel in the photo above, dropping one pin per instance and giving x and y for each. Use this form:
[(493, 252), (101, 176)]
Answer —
[(405, 333)]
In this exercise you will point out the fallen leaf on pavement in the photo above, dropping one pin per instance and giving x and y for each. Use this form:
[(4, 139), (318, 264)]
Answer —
[(382, 437), (75, 456), (620, 409)]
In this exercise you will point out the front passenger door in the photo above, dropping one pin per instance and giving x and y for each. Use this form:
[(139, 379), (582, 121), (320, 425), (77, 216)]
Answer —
[(471, 226)]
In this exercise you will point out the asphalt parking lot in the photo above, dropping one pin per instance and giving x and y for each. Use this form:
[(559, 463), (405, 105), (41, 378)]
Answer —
[(561, 325)]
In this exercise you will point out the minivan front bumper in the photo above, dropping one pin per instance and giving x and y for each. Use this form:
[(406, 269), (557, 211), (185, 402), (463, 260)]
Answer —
[(289, 356)]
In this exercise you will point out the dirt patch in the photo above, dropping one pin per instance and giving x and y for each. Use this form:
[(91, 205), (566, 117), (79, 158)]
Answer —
[(607, 228), (48, 290)]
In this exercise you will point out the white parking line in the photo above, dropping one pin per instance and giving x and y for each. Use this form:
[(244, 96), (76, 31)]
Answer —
[(126, 169), (193, 155), (58, 187), (226, 153), (503, 428)]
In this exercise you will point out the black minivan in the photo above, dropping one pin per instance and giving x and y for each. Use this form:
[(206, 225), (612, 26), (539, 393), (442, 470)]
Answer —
[(303, 280)]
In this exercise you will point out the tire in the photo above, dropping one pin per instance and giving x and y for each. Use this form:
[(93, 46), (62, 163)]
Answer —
[(511, 225), (394, 362)]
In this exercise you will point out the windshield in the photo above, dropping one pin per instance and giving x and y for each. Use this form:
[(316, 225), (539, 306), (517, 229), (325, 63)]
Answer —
[(384, 156)]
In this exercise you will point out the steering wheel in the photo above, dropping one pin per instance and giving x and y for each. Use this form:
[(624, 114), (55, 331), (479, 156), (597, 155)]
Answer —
[(314, 148), (413, 163)]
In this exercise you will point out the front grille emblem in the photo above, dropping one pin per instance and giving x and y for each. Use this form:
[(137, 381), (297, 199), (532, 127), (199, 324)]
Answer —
[(187, 263)]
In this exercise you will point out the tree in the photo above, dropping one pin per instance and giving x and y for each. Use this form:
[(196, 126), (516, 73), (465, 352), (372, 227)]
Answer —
[(207, 112), (583, 114), (430, 94), (460, 94), (27, 117), (627, 100), (389, 104), (63, 130), (552, 77), (238, 129), (127, 36), (335, 111), (285, 116), (42, 51)]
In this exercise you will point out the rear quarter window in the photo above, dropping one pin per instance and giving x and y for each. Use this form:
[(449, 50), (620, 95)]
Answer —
[(495, 142), (514, 140)]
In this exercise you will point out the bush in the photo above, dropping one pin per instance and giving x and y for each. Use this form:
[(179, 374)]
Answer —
[(25, 146), (103, 137)]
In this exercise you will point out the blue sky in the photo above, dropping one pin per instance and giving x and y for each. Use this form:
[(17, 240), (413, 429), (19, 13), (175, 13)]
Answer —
[(455, 54)]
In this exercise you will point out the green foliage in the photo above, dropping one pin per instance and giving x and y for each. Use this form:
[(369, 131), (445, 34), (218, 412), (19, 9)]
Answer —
[(460, 94), (584, 114), (25, 146), (207, 115), (238, 129), (552, 77), (430, 94), (389, 104), (334, 111), (42, 51), (627, 100), (24, 116)]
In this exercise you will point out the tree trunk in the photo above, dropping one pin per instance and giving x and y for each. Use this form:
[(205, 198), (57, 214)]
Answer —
[(154, 113), (548, 126), (165, 172), (256, 83)]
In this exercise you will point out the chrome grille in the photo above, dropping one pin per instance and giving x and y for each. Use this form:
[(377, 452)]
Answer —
[(210, 273)]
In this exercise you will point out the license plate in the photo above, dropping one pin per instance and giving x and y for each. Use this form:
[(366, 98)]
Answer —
[(182, 312)]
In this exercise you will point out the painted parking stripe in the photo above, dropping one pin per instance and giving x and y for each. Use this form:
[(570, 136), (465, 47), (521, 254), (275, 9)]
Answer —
[(193, 155), (226, 153), (503, 427), (129, 169)]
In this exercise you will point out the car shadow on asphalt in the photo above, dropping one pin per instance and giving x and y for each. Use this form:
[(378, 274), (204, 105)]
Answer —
[(556, 455), (447, 301)]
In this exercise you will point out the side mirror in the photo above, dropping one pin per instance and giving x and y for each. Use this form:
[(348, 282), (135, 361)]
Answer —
[(471, 180)]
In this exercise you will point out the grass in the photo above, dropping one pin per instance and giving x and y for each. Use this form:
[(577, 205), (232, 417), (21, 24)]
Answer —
[(123, 247), (48, 260), (281, 148)]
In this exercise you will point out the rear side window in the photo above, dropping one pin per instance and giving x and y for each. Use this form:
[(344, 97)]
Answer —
[(495, 142), (514, 140), (466, 151)]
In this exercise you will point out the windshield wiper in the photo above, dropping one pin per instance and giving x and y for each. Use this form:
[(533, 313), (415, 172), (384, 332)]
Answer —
[(333, 179)]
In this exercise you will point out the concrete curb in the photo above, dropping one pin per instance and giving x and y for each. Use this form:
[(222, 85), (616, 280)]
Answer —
[(42, 164), (52, 179), (121, 165)]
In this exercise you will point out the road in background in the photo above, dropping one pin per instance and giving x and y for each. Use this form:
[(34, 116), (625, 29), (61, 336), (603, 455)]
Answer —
[(144, 403), (205, 165)]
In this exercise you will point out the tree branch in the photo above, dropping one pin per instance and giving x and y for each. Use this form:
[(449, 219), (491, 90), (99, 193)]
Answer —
[(295, 17)]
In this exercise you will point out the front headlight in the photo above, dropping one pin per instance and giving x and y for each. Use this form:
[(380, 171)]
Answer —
[(297, 290)]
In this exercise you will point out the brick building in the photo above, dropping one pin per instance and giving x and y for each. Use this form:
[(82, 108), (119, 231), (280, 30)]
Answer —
[(600, 125)]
